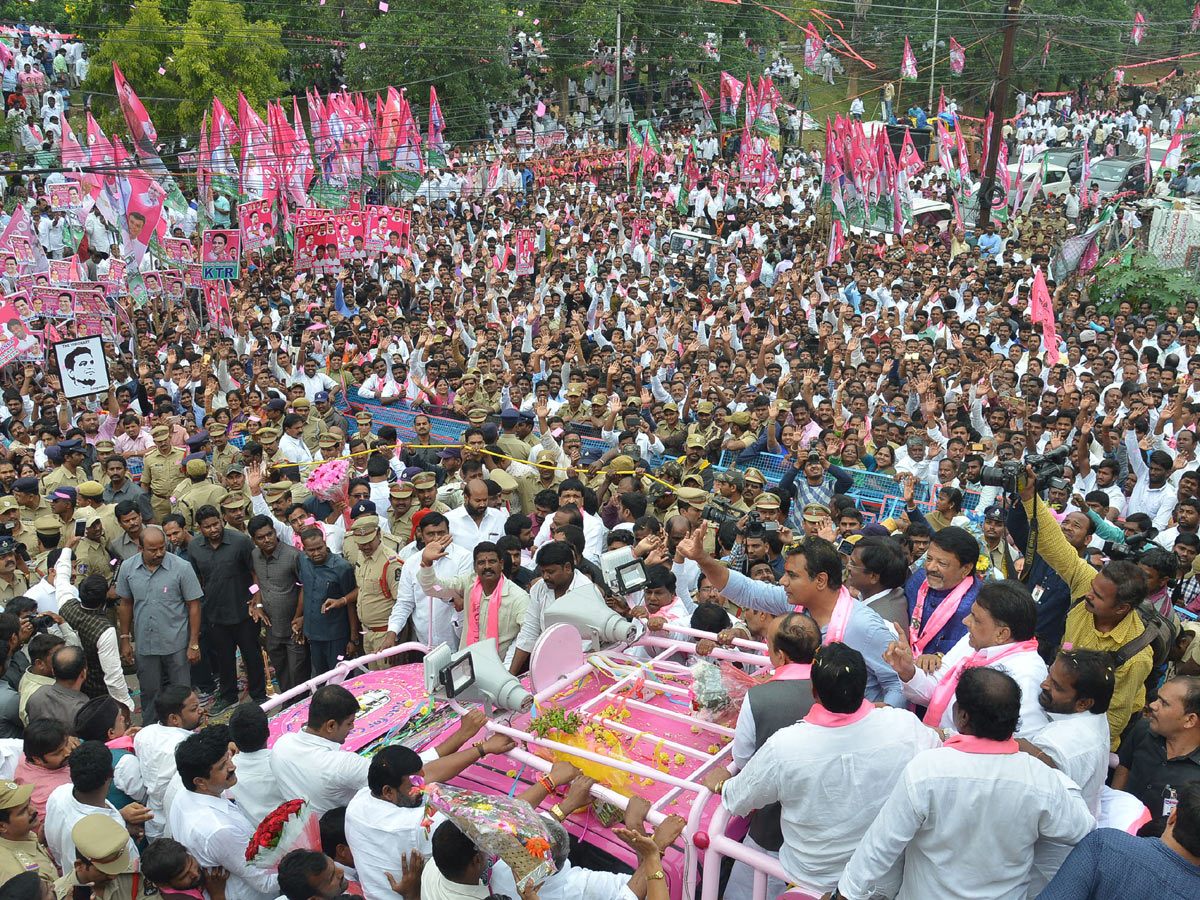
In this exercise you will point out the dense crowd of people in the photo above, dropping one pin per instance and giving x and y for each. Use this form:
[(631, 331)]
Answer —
[(968, 542)]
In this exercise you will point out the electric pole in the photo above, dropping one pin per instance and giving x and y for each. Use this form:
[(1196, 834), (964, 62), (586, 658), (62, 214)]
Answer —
[(937, 8), (987, 185), (617, 113)]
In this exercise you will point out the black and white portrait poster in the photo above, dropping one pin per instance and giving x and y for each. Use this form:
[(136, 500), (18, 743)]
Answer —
[(82, 366)]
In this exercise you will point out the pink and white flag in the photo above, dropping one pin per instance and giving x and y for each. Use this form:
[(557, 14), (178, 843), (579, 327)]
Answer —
[(1042, 311), (1139, 28), (908, 65), (958, 57)]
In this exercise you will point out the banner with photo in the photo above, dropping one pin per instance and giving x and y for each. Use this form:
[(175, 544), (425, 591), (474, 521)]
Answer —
[(82, 366)]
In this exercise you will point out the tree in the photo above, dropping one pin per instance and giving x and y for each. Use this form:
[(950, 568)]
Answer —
[(1141, 279), (214, 51)]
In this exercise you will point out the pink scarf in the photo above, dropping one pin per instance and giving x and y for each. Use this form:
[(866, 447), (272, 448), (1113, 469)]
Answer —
[(943, 614), (792, 672), (475, 611), (943, 694), (819, 715), (836, 630), (968, 743)]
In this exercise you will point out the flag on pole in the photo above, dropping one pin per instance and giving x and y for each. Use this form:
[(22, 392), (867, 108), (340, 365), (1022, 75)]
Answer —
[(1174, 151), (707, 103), (908, 65), (813, 45), (437, 125), (958, 57), (1139, 28), (910, 159), (1042, 311), (1046, 49), (1195, 18)]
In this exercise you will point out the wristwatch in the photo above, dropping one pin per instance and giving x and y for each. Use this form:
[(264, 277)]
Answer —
[(657, 876), (194, 647)]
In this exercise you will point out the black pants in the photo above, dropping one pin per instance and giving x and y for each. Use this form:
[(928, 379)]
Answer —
[(226, 641)]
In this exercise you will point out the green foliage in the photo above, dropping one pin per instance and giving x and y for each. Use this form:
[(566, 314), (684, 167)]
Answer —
[(1141, 279), (214, 50)]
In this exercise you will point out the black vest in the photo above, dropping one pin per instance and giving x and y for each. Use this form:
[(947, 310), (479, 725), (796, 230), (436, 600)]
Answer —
[(775, 705), (89, 625)]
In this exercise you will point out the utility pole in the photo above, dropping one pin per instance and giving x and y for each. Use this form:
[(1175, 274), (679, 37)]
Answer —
[(937, 8), (987, 185), (617, 113)]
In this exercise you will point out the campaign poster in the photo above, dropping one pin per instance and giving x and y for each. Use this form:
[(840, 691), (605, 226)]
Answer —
[(16, 340), (173, 285), (180, 251), (82, 366), (62, 271), (193, 277), (21, 303), (350, 244), (257, 228), (54, 302), (306, 215), (21, 249), (387, 229), (640, 227), (219, 255), (137, 290), (90, 302), (66, 196), (314, 243), (526, 248), (114, 278), (153, 282)]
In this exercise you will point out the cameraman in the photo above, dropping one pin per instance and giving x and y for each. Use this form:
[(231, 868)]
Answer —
[(821, 481), (1107, 619)]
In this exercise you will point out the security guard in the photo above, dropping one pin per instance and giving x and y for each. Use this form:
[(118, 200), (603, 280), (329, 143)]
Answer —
[(49, 536), (27, 492), (425, 487), (101, 850), (198, 491), (314, 425), (490, 391), (13, 582), (575, 410), (71, 470), (22, 854), (377, 571), (754, 483), (330, 446), (233, 511), (401, 509), (224, 454), (694, 463), (91, 497), (671, 429), (91, 554), (730, 485), (162, 470), (21, 533), (269, 438)]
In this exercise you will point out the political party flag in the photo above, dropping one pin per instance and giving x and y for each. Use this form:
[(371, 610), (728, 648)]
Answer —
[(1042, 311), (958, 57), (908, 65), (1174, 151), (707, 102), (813, 45), (1195, 18), (437, 124), (1139, 28), (141, 129), (910, 159)]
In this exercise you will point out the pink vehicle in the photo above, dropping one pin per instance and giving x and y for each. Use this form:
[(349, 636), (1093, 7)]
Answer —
[(646, 738)]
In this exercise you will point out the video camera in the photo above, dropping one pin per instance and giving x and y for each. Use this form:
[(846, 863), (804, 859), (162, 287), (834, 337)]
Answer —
[(720, 511), (1135, 545), (1010, 474)]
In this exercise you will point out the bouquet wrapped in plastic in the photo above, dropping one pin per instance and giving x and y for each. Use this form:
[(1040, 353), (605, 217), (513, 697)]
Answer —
[(571, 729), (718, 690), (290, 826), (330, 482), (500, 826)]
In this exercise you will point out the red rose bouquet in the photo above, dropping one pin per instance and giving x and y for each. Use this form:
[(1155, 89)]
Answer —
[(289, 827)]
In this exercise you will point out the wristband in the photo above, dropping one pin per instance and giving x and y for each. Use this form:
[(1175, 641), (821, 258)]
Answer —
[(478, 745), (548, 783)]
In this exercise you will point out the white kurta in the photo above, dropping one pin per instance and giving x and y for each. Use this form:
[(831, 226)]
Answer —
[(965, 825), (831, 782), (1027, 669), (216, 832), (309, 767), (433, 619), (155, 746)]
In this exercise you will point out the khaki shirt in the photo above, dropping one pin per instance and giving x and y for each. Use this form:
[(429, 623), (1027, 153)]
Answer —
[(28, 515), (26, 688), (18, 857), (314, 427), (582, 414), (378, 576), (189, 499), (160, 474), (92, 558), (402, 525), (223, 459), (19, 585), (530, 485), (63, 477), (127, 886)]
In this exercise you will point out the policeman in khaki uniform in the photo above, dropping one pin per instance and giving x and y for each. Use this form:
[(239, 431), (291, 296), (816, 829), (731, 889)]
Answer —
[(162, 470), (46, 527), (401, 509), (364, 420), (279, 497), (234, 511), (754, 483), (62, 453), (235, 480), (575, 410), (91, 556), (13, 582), (198, 491), (694, 463), (104, 449), (543, 478), (20, 850), (224, 454), (671, 430), (330, 446), (64, 503), (425, 487), (491, 392), (269, 438), (91, 497), (314, 425), (695, 498), (477, 416), (21, 533), (102, 861), (730, 484), (377, 571), (27, 492), (704, 425)]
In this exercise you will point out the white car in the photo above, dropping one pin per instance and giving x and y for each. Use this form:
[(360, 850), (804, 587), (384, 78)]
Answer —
[(1158, 152), (1055, 183)]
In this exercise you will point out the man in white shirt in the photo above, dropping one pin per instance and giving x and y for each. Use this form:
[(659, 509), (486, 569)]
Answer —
[(1000, 635), (845, 752), (559, 578), (384, 820), (178, 710), (257, 790), (432, 619), (212, 827), (475, 521), (91, 775), (966, 820)]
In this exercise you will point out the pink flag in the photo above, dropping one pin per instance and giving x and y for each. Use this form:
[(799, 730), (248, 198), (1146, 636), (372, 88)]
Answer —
[(1139, 28), (1042, 310), (1195, 18), (707, 102), (1046, 50), (1002, 171), (437, 123), (910, 159), (72, 153), (908, 64), (1174, 151), (1085, 176), (958, 57), (6, 54), (141, 129), (142, 216), (813, 45)]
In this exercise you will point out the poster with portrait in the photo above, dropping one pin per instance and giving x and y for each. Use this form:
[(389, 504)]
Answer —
[(53, 302), (89, 301), (173, 285), (193, 277), (63, 271), (82, 366), (314, 243), (17, 342), (306, 215), (114, 279), (21, 249), (220, 253), (21, 303), (387, 229), (104, 327), (526, 249), (153, 282), (258, 230), (349, 227), (10, 268), (179, 251), (66, 197)]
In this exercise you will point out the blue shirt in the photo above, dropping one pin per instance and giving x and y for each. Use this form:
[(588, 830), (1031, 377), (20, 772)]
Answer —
[(952, 630), (866, 632), (989, 243), (1109, 864), (333, 578)]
